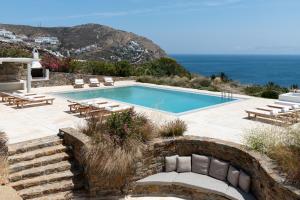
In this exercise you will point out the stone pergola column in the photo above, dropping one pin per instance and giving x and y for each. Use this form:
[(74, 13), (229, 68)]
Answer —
[(29, 78)]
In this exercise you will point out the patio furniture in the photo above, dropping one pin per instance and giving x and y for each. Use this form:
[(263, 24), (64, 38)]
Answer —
[(7, 96), (80, 106), (78, 83), (272, 114), (109, 81), (94, 82), (21, 101), (202, 174)]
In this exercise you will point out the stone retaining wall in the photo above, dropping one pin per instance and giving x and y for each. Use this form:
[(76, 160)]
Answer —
[(59, 79), (266, 183)]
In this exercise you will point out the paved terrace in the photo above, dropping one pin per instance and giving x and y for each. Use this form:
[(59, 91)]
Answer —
[(225, 122)]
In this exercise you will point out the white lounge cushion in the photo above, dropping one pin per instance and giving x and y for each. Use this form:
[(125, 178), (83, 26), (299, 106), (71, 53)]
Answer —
[(108, 79), (163, 178), (171, 163), (218, 169), (94, 80), (116, 109), (244, 181), (184, 164), (237, 194), (79, 81), (201, 182), (287, 103), (233, 176), (200, 164)]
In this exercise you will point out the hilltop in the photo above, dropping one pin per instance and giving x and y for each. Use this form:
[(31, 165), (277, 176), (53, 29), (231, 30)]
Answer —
[(88, 41)]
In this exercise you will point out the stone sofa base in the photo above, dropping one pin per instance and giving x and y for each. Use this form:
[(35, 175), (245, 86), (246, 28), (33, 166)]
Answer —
[(174, 190), (198, 182)]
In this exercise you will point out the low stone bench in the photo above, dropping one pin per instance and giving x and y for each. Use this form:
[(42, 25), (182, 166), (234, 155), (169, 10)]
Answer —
[(198, 177)]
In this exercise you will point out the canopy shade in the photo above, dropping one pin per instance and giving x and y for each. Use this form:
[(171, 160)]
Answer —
[(18, 60)]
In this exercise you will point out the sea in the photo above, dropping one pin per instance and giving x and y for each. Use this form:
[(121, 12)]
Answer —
[(283, 70)]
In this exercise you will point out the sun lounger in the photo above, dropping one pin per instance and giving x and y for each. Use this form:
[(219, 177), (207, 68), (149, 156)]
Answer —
[(21, 101), (287, 103), (78, 83), (108, 81), (282, 108), (6, 96), (273, 114), (108, 110), (94, 82), (79, 106)]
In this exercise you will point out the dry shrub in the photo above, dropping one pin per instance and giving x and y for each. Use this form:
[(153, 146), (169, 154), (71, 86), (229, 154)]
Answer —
[(281, 145), (116, 145), (3, 159), (173, 128)]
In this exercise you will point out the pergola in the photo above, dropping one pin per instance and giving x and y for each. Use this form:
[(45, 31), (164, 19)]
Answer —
[(29, 61)]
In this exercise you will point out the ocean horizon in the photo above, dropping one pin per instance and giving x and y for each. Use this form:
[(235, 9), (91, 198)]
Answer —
[(283, 70)]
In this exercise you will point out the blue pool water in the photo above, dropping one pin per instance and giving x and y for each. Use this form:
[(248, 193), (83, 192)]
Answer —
[(162, 99)]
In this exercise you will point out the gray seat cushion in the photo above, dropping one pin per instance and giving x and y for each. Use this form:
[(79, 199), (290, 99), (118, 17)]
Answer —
[(171, 163), (244, 181), (218, 169), (237, 194), (201, 182), (184, 164), (164, 178), (233, 176), (200, 164)]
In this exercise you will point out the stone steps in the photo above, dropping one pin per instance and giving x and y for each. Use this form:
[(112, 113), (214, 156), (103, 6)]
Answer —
[(56, 196), (43, 169), (47, 189), (65, 175), (30, 155), (40, 161), (39, 171), (77, 195), (31, 145)]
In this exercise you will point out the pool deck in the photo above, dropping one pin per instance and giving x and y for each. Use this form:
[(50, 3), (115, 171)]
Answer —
[(227, 122)]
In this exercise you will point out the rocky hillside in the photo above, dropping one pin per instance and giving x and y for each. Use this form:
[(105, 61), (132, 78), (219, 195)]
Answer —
[(88, 41)]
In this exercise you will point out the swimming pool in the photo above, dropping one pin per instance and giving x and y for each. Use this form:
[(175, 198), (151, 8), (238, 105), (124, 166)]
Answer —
[(172, 101)]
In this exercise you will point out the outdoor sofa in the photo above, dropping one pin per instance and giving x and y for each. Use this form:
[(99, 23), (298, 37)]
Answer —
[(204, 174)]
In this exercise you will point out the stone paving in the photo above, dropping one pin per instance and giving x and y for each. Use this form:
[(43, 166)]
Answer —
[(225, 122)]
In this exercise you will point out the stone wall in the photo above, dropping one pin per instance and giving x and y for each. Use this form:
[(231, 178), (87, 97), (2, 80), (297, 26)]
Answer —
[(266, 183), (11, 72), (59, 78)]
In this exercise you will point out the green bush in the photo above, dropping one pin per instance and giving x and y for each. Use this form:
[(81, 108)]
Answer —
[(173, 128), (270, 94)]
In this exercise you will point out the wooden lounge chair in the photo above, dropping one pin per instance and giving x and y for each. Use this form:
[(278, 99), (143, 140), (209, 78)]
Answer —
[(286, 103), (108, 111), (21, 101), (94, 82), (85, 105), (78, 83), (273, 114), (109, 81)]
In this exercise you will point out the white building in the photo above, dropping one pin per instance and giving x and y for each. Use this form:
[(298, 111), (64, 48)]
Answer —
[(46, 40), (7, 34)]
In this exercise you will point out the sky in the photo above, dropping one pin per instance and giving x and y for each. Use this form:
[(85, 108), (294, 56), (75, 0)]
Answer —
[(178, 26)]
